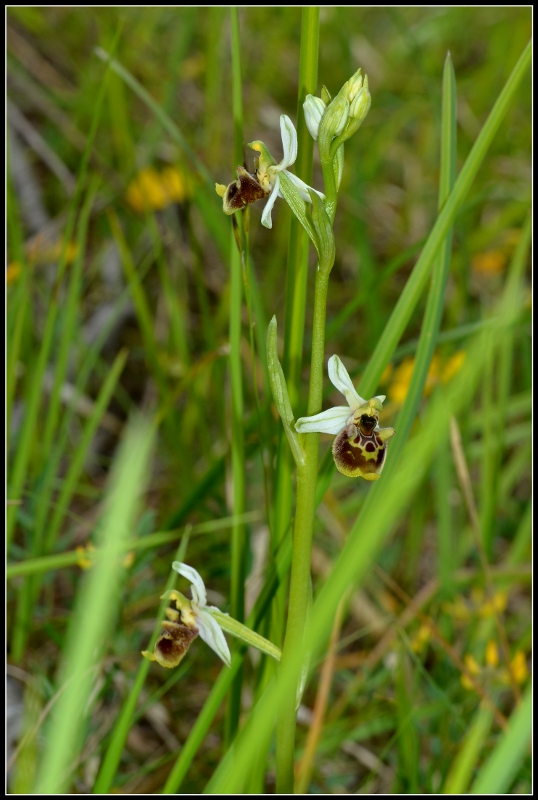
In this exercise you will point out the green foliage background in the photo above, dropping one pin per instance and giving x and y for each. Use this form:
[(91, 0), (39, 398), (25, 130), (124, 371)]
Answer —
[(138, 320)]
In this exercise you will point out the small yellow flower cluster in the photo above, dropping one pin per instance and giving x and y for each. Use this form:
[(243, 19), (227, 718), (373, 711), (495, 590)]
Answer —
[(518, 667), (494, 261), (478, 605), (86, 557), (490, 262), (41, 251), (151, 190), (437, 373), (421, 639), (474, 668)]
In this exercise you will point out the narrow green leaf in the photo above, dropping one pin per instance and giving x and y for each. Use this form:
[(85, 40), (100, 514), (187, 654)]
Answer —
[(97, 605), (497, 774)]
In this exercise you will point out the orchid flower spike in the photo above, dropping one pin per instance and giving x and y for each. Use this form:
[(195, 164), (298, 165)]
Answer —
[(192, 618), (360, 447)]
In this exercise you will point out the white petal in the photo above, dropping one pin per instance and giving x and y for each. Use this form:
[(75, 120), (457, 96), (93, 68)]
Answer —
[(199, 596), (266, 215), (289, 142), (380, 397), (338, 375), (211, 632), (303, 187), (332, 421)]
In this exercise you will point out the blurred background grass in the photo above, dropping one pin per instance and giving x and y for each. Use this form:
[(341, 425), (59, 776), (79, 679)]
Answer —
[(142, 322)]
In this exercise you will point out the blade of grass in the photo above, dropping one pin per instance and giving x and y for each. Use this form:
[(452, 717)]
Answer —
[(497, 774), (96, 607), (458, 778)]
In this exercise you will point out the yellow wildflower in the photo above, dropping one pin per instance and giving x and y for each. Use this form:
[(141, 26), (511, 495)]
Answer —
[(43, 251), (175, 184), (518, 665), (492, 653), (152, 190), (85, 554), (401, 380), (473, 667), (491, 262), (421, 638), (146, 191), (458, 609), (436, 373), (432, 378), (496, 605), (453, 366), (13, 271), (387, 374)]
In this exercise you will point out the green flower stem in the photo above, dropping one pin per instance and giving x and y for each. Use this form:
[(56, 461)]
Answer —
[(302, 540), (331, 191)]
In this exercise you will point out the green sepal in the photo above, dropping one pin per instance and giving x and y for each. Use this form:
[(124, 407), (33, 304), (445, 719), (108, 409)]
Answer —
[(325, 95), (293, 198), (280, 393)]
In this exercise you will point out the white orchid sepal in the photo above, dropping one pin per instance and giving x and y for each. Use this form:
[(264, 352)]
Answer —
[(331, 421)]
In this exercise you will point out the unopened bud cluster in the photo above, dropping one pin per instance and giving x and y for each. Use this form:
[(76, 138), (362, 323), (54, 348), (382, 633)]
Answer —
[(340, 118)]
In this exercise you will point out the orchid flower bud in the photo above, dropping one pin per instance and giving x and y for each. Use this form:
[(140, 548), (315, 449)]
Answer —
[(314, 108)]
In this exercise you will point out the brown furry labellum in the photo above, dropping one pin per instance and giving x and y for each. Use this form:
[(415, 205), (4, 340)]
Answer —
[(360, 450), (174, 640), (242, 192)]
